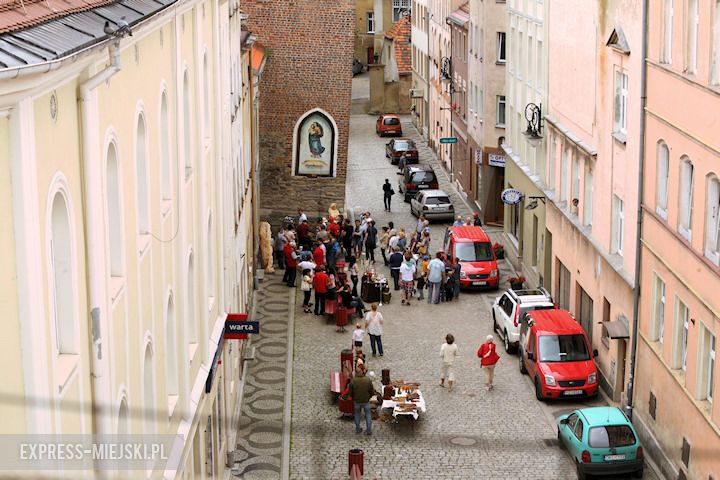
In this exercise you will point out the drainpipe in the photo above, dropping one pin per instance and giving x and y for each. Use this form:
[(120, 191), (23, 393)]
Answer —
[(638, 237), (254, 180), (95, 244)]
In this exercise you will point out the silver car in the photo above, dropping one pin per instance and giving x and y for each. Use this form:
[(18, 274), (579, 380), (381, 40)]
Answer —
[(434, 204)]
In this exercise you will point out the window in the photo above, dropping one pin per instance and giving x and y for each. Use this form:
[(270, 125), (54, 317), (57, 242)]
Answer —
[(206, 95), (706, 367), (692, 22), (621, 102), (588, 202), (142, 183), (210, 273), (370, 22), (165, 148), (715, 73), (564, 175), (500, 114), (114, 213), (618, 225), (667, 29), (712, 225), (575, 178), (539, 80), (399, 8), (552, 161), (63, 285), (680, 335), (171, 366), (663, 169), (500, 54), (657, 332), (686, 197), (148, 391), (187, 124), (191, 317)]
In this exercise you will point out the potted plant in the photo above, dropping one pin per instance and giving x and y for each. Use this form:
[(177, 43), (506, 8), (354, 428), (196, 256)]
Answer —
[(499, 250), (516, 283)]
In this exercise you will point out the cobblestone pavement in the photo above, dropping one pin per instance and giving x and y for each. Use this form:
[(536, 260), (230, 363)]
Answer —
[(259, 440)]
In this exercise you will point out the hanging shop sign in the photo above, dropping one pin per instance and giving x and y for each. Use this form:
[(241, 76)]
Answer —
[(495, 160), (237, 326), (511, 196)]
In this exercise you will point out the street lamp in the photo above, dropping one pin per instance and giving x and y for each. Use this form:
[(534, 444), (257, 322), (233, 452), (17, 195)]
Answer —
[(446, 73), (533, 115)]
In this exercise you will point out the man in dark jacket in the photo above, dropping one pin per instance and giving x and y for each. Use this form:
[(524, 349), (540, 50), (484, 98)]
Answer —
[(361, 390), (476, 220), (395, 261), (388, 192)]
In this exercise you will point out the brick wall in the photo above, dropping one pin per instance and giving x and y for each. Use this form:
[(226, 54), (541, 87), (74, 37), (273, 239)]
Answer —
[(310, 46)]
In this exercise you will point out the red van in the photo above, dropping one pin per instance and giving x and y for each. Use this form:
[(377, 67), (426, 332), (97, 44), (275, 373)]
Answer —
[(477, 258), (555, 352)]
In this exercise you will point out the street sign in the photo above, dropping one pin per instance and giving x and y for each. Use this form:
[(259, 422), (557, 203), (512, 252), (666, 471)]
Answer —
[(237, 326), (448, 140), (495, 160), (510, 196)]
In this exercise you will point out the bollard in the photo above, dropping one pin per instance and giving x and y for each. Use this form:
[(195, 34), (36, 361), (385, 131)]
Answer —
[(385, 376), (355, 459)]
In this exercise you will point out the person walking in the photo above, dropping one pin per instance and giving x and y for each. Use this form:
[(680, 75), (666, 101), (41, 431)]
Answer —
[(488, 358), (388, 192), (374, 325), (395, 262), (436, 277), (402, 163), (361, 390), (448, 352), (370, 241), (357, 238), (357, 337), (422, 270), (306, 287), (476, 220), (407, 278), (320, 283), (384, 241), (290, 264)]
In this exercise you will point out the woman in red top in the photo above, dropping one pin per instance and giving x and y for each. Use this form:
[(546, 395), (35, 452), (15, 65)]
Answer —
[(488, 358)]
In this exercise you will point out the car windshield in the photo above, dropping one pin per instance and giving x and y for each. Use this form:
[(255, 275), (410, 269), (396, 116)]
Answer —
[(437, 200), (401, 145), (474, 251), (423, 177), (611, 436), (529, 308), (563, 348), (391, 121)]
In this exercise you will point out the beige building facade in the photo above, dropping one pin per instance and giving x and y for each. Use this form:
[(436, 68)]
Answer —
[(129, 231)]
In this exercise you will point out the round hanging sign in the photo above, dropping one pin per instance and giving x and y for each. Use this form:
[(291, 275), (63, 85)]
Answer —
[(510, 196)]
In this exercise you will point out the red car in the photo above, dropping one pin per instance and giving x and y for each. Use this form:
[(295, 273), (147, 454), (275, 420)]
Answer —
[(396, 148), (555, 352), (478, 266), (388, 124)]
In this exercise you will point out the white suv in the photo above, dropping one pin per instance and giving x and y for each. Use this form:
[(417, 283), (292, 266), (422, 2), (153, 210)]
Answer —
[(510, 308)]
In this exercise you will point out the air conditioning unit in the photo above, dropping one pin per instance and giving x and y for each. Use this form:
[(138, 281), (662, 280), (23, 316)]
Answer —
[(416, 93)]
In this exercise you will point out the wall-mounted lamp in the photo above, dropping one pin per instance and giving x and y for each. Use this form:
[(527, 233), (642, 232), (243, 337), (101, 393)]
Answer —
[(533, 115), (446, 73), (534, 202)]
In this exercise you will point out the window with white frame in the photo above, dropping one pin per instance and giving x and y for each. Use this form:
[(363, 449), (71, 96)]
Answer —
[(114, 212), (141, 177), (564, 174), (712, 223), (618, 226), (680, 335), (370, 17), (540, 66), (480, 101), (692, 25), (500, 53), (657, 331), (663, 171), (686, 198), (187, 124), (500, 113), (706, 364), (667, 32), (171, 363), (399, 7), (715, 72), (588, 201), (165, 148), (621, 102), (575, 193), (62, 278)]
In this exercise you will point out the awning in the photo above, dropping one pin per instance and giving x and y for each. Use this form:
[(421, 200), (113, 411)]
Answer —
[(618, 328)]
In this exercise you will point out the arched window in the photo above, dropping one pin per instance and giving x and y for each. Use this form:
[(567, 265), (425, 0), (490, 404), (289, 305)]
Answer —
[(191, 318), (663, 170), (171, 364), (712, 223), (187, 123), (63, 286), (165, 149), (123, 426), (149, 390), (686, 197), (206, 94), (210, 273), (114, 213), (142, 182)]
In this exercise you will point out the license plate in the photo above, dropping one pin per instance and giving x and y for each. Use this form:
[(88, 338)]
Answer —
[(574, 392), (609, 458), (422, 186), (479, 283)]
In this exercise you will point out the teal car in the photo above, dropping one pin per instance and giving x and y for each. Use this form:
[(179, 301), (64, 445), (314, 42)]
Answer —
[(602, 441)]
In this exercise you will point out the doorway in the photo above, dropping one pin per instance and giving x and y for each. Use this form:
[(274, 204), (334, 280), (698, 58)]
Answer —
[(370, 55), (586, 313)]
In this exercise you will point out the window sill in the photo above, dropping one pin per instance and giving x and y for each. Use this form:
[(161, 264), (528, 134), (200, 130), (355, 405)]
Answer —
[(686, 234), (500, 62), (661, 213), (165, 207), (714, 257), (620, 137), (143, 243), (210, 303), (497, 125), (67, 364), (172, 401), (117, 285), (192, 349)]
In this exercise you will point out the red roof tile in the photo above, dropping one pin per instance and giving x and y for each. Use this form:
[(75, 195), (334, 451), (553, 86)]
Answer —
[(16, 15), (400, 34)]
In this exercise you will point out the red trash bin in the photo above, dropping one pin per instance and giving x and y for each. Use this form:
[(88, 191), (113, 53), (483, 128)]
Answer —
[(341, 316), (355, 457)]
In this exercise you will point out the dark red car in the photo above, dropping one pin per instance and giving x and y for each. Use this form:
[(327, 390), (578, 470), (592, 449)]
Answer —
[(388, 124), (396, 148)]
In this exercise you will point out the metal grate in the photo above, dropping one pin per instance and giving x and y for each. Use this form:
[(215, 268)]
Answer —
[(550, 442)]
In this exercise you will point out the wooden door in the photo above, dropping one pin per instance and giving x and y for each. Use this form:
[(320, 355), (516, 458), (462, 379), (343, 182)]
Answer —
[(586, 314)]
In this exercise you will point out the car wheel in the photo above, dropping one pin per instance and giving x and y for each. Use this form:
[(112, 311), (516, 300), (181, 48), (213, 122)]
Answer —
[(407, 198), (538, 390), (495, 325), (560, 443), (639, 473), (506, 341), (523, 370), (580, 474)]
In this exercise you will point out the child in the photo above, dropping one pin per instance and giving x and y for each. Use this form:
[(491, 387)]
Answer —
[(448, 352), (306, 287), (357, 337), (450, 286)]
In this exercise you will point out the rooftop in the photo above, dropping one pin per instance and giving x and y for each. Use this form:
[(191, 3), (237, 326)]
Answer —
[(400, 35)]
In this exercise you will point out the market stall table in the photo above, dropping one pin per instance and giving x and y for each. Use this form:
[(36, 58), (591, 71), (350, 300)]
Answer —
[(401, 406)]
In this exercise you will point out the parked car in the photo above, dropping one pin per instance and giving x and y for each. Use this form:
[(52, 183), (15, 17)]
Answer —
[(510, 308), (434, 204), (388, 124), (478, 265), (555, 352), (415, 178), (399, 146), (601, 441), (357, 66)]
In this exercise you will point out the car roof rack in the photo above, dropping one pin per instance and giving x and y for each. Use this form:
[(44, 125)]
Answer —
[(517, 294)]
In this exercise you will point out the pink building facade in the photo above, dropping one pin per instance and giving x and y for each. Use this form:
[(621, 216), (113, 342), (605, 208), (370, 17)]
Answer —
[(592, 127), (677, 404)]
